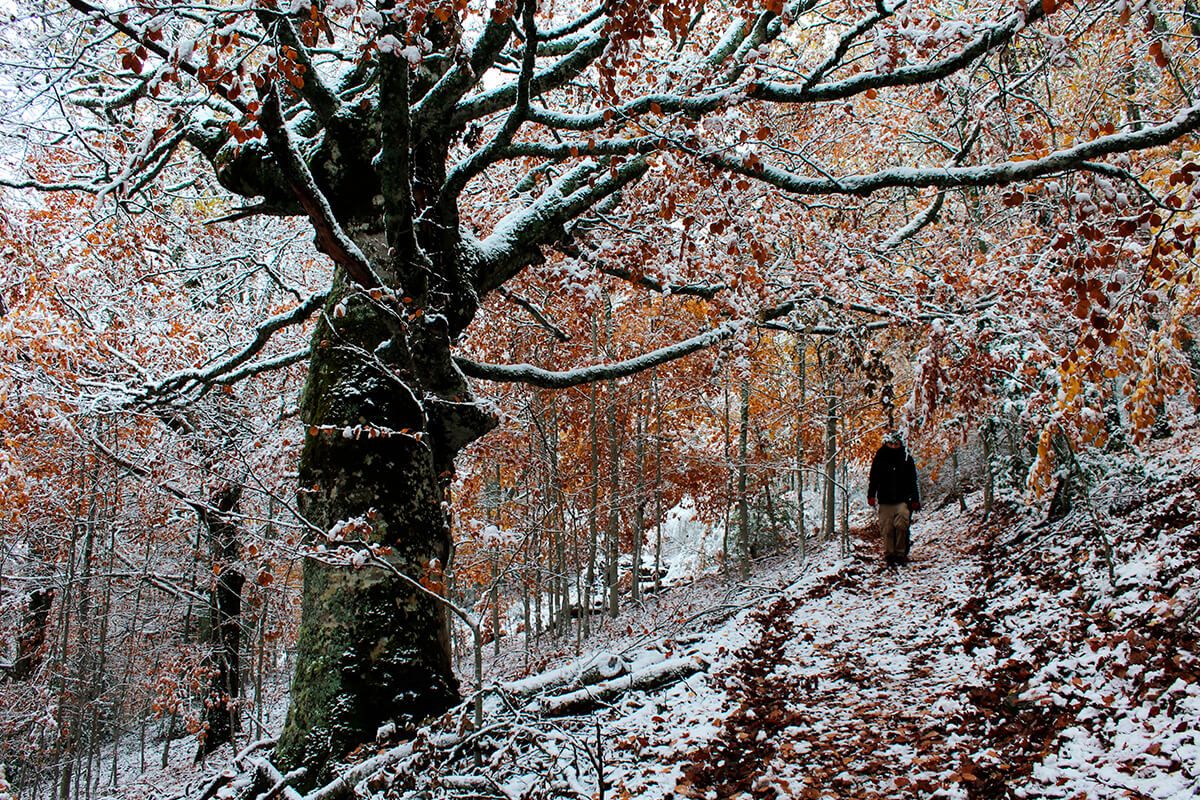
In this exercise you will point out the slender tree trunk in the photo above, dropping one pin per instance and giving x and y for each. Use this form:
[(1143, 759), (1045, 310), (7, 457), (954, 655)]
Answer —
[(494, 602), (831, 455), (564, 581), (80, 743), (525, 615), (104, 692), (534, 552), (658, 492), (771, 519), (989, 473), (222, 715), (61, 787), (801, 523), (727, 456), (188, 624), (845, 507), (260, 663), (613, 537), (589, 584), (958, 487), (557, 516), (639, 501), (742, 480)]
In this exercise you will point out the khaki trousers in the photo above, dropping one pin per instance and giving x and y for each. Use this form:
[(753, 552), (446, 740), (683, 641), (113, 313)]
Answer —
[(893, 525)]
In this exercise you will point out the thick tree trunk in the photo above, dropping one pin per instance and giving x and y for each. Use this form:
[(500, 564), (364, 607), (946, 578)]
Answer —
[(374, 643)]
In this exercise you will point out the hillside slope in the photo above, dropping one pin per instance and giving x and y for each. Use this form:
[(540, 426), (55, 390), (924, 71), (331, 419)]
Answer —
[(1010, 659)]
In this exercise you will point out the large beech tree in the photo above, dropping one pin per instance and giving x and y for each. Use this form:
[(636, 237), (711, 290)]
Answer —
[(441, 149)]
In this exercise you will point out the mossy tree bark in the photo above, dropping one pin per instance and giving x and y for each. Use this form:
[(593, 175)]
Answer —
[(373, 646)]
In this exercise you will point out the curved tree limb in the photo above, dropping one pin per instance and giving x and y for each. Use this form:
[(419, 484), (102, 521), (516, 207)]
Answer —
[(1063, 160), (331, 238), (552, 379), (532, 310), (516, 240), (226, 371)]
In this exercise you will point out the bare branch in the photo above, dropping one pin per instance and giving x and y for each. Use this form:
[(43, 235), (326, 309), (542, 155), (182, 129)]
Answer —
[(227, 371), (478, 161), (1065, 160), (135, 34), (847, 39), (551, 379), (538, 315), (331, 239)]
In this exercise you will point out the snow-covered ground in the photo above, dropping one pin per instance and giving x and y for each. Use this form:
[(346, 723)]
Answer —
[(1012, 658), (1006, 661)]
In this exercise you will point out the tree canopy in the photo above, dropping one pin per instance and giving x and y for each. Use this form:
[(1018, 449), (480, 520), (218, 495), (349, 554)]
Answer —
[(1006, 184)]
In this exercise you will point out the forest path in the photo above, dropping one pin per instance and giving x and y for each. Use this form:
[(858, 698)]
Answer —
[(857, 687)]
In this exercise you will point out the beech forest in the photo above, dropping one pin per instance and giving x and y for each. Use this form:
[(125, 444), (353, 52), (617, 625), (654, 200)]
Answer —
[(599, 399)]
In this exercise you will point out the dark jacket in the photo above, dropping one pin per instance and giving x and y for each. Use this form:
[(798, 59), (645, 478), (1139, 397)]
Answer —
[(893, 477)]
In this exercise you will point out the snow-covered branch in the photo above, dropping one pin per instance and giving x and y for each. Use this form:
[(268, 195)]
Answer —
[(227, 370), (559, 74), (331, 238), (516, 239), (551, 379), (1064, 160), (990, 39)]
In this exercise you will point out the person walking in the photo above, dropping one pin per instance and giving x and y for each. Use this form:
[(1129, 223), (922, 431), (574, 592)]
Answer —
[(892, 490)]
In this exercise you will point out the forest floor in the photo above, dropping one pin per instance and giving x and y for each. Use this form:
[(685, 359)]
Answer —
[(1011, 658)]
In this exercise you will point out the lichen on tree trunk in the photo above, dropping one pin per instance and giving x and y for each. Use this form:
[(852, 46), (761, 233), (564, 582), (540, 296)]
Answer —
[(372, 646)]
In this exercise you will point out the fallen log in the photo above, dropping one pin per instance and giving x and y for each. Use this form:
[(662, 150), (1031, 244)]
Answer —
[(276, 782), (653, 677), (595, 668), (343, 785)]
